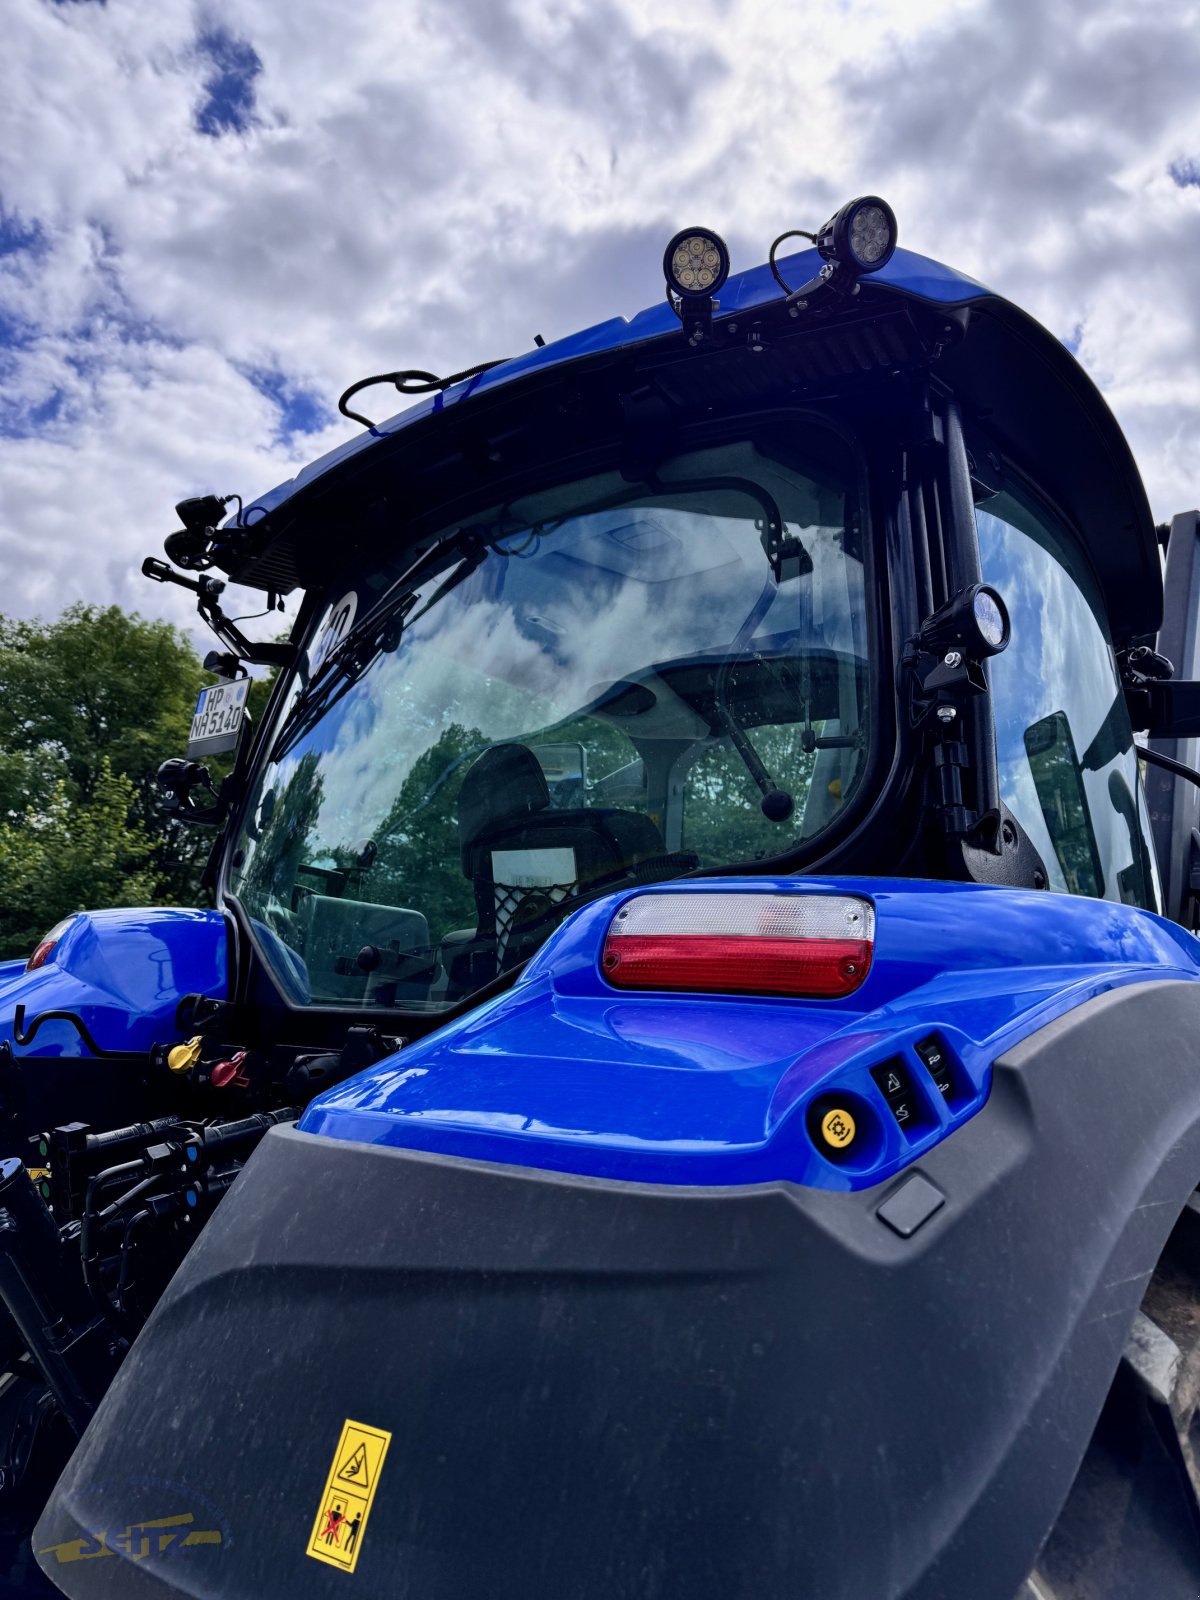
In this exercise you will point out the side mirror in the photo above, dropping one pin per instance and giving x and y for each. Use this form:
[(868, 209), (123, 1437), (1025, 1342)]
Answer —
[(1169, 709), (180, 783), (1165, 709)]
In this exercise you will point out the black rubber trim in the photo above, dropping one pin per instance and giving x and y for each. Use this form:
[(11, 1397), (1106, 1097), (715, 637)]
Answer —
[(623, 1392)]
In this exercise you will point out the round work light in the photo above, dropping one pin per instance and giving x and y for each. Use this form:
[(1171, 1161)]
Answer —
[(975, 621), (991, 619), (861, 236), (696, 264)]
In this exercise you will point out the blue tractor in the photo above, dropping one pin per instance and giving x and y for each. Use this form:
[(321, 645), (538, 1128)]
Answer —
[(692, 1085)]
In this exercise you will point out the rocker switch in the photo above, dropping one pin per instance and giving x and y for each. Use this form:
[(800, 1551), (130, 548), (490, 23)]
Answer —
[(933, 1054), (896, 1087)]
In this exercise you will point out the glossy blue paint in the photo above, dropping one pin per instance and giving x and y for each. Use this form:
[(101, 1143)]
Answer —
[(565, 1072), (907, 274), (122, 973)]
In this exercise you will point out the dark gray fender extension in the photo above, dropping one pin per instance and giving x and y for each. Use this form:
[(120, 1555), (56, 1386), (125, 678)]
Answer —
[(599, 1390)]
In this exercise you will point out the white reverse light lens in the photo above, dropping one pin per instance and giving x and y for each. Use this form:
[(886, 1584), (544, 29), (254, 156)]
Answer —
[(696, 263)]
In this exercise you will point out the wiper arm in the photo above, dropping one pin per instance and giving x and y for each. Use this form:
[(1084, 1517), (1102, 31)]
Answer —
[(380, 630)]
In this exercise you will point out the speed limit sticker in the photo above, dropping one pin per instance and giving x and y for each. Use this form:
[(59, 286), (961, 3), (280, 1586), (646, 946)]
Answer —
[(337, 625)]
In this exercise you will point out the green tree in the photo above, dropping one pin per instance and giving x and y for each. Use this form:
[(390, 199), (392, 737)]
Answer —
[(72, 855), (94, 684), (93, 699)]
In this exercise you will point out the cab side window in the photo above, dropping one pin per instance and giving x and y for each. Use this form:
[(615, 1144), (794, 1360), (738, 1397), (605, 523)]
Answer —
[(1068, 770)]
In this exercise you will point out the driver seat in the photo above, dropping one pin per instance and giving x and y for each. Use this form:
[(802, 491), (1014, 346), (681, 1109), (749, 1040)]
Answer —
[(523, 858)]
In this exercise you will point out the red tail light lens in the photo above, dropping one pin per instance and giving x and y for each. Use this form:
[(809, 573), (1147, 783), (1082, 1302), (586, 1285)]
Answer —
[(45, 946), (812, 946)]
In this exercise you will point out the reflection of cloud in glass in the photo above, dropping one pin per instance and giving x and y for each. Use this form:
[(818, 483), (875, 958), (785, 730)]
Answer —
[(557, 609), (533, 655)]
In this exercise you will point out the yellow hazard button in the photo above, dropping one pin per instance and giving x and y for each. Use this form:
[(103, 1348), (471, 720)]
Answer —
[(349, 1492), (837, 1128)]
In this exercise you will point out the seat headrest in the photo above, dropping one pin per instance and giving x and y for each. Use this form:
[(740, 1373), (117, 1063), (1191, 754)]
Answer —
[(504, 784)]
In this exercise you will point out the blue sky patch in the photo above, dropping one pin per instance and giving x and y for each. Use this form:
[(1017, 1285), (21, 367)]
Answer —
[(14, 334), (300, 410), (228, 106), (1074, 339), (1186, 172), (17, 235)]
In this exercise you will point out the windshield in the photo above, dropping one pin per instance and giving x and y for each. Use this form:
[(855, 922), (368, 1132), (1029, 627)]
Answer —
[(595, 686)]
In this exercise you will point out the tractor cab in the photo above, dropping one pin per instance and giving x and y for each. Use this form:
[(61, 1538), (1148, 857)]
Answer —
[(693, 1071), (847, 577)]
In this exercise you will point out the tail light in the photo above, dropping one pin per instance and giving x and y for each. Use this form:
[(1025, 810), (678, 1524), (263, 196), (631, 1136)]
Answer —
[(812, 946), (45, 946)]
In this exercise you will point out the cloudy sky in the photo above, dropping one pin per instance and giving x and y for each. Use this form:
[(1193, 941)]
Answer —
[(216, 215)]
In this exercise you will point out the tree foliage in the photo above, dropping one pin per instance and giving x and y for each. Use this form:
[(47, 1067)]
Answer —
[(70, 855), (90, 704)]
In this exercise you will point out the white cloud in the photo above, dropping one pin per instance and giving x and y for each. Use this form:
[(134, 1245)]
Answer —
[(431, 184)]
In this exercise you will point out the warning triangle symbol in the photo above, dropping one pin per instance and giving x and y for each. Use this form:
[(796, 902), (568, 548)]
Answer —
[(354, 1469)]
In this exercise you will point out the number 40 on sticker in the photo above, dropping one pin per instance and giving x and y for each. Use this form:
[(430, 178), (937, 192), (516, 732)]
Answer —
[(341, 1521)]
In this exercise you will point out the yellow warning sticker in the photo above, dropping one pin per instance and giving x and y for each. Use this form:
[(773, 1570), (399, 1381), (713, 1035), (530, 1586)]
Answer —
[(341, 1520)]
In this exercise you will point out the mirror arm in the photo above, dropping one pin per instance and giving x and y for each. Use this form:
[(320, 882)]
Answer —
[(1179, 768), (207, 590)]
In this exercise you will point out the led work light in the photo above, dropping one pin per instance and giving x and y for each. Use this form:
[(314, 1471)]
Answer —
[(695, 265), (861, 236), (975, 621)]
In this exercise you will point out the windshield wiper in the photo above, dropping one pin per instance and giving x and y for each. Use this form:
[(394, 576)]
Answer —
[(376, 633)]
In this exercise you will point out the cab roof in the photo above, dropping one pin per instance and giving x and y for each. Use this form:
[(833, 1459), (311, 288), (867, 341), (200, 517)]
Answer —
[(1010, 375)]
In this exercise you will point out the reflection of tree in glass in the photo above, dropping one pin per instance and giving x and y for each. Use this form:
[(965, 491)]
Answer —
[(418, 855), (722, 817), (283, 842), (606, 747), (418, 861), (1059, 783)]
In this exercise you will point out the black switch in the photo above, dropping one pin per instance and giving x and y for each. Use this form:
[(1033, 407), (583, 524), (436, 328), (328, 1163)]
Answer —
[(904, 1111), (931, 1052), (893, 1080), (895, 1083), (935, 1056)]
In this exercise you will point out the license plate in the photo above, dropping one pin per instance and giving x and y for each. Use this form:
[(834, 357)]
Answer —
[(218, 718)]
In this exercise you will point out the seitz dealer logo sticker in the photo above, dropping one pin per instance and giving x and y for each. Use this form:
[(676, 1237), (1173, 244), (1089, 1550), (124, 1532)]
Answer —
[(153, 1537), (349, 1493)]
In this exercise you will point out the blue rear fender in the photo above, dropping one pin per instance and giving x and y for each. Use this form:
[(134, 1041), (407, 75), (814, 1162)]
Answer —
[(568, 1073), (122, 973)]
